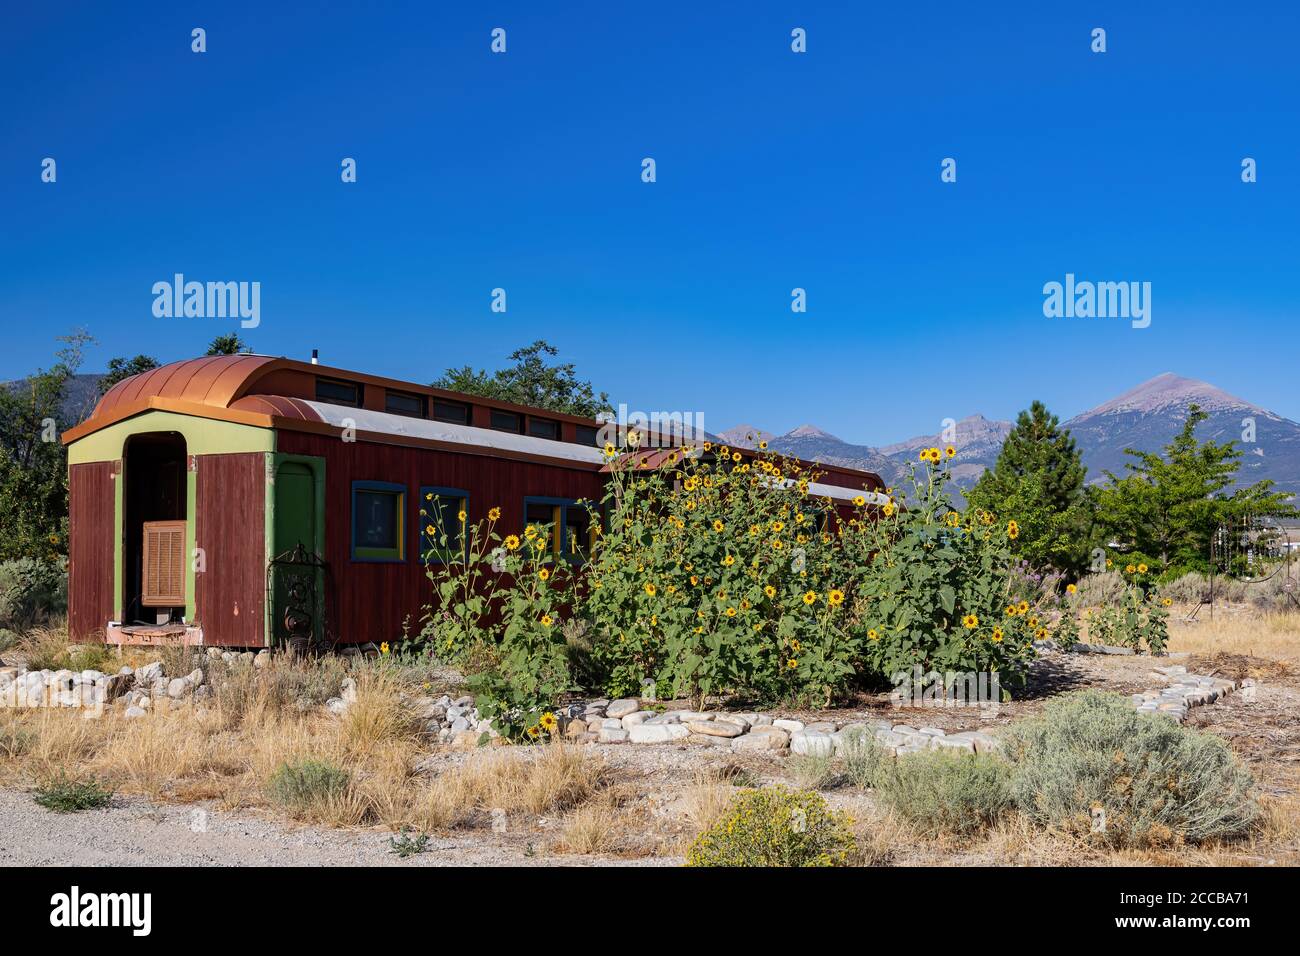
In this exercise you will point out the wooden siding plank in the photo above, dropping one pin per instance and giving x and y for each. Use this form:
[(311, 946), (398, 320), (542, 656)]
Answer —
[(91, 496), (230, 591)]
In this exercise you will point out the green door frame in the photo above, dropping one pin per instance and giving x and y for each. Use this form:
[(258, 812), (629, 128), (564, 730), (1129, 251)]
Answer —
[(317, 465)]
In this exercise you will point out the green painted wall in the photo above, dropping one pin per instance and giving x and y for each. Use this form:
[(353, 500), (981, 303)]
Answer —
[(203, 436)]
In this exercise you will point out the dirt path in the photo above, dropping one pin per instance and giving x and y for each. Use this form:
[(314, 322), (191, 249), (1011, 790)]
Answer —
[(136, 832)]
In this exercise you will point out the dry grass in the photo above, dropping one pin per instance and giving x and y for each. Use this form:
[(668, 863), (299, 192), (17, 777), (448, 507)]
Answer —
[(592, 828), (1265, 635)]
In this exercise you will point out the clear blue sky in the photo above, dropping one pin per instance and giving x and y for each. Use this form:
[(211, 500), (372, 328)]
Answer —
[(775, 170)]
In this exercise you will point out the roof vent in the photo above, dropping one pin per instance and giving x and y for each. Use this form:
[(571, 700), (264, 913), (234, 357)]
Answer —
[(315, 356)]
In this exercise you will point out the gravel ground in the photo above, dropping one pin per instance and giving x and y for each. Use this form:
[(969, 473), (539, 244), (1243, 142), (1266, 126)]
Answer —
[(136, 832)]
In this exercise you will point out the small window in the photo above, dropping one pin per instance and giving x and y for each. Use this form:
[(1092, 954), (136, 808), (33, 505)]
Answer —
[(589, 436), (338, 393), (543, 428), (544, 516), (570, 527), (404, 403), (378, 521), (504, 421), (457, 413), (442, 532)]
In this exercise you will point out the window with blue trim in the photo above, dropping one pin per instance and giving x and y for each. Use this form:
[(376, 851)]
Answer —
[(570, 527), (378, 521), (442, 530)]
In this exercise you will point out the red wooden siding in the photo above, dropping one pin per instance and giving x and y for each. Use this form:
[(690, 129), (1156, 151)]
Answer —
[(372, 600), (230, 593), (91, 548)]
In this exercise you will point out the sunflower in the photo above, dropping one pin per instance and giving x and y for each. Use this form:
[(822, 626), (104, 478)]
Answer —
[(1129, 569), (778, 526), (730, 612), (810, 597), (650, 588), (534, 732), (547, 721), (695, 579), (873, 635), (997, 635), (770, 591), (859, 501), (383, 648), (1166, 602), (952, 519), (494, 514), (718, 525), (1142, 569), (460, 516), (1023, 607), (728, 561), (950, 451), (512, 542), (544, 573), (610, 450), (836, 597), (792, 663), (430, 530), (1013, 530), (888, 509), (777, 545), (547, 620), (762, 446), (530, 532), (970, 622), (1071, 589)]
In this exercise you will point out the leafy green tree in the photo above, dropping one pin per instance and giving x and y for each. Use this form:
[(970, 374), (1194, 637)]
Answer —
[(1038, 481), (33, 464), (123, 368), (1167, 507), (530, 381), (229, 344)]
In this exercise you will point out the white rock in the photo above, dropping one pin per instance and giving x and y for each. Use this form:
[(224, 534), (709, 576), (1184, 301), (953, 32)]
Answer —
[(812, 743), (149, 673), (715, 728), (133, 712), (336, 706), (610, 736), (762, 738), (657, 733), (621, 708), (640, 717), (179, 687), (789, 726)]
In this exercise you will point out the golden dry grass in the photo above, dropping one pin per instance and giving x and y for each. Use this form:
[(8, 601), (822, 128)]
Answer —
[(1257, 635)]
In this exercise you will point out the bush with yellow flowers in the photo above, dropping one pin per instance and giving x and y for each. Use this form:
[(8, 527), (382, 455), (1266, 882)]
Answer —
[(503, 595), (935, 588), (719, 575), (1139, 619), (776, 827)]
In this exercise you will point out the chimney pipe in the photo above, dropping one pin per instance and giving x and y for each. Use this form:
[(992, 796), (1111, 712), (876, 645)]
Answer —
[(315, 356)]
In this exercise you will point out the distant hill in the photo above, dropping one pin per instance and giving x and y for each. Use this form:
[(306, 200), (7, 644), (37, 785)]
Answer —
[(79, 398), (1146, 418)]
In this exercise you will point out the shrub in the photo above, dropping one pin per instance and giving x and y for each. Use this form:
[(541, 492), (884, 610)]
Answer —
[(811, 771), (1144, 779), (864, 759), (15, 740), (775, 827), (299, 786), (46, 649), (942, 791), (32, 592), (65, 795), (1101, 589)]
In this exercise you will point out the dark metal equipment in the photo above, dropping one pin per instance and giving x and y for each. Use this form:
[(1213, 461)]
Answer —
[(298, 591)]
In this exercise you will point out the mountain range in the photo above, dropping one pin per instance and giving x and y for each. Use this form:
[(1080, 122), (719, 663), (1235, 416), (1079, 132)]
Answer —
[(1143, 418)]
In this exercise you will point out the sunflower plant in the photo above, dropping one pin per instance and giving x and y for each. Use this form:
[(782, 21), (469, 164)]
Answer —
[(507, 594), (936, 589), (718, 575)]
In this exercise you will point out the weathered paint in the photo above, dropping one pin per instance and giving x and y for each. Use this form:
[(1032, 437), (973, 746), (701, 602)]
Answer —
[(274, 544)]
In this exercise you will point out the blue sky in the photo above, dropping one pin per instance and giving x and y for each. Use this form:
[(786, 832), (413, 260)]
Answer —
[(775, 170)]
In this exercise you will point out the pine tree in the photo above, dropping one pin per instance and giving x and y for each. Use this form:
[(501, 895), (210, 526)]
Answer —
[(1166, 509), (1038, 481)]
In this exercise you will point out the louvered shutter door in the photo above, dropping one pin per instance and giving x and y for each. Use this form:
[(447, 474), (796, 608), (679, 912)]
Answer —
[(164, 564)]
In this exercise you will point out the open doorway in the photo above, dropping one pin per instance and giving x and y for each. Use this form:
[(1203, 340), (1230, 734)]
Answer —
[(153, 528)]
